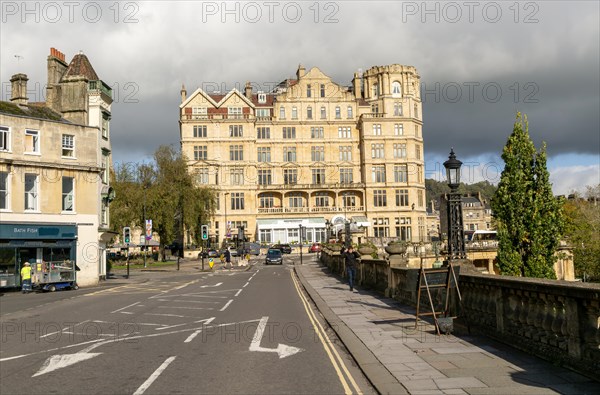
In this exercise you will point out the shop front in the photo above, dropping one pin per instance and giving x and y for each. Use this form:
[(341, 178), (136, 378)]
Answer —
[(42, 245), (287, 230)]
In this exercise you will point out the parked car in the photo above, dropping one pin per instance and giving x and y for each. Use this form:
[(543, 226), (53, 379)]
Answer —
[(284, 248), (315, 247), (274, 256)]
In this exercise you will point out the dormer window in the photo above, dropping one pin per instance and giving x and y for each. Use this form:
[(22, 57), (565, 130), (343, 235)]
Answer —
[(262, 97)]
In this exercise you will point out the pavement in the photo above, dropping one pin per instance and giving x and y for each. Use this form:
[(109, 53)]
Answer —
[(398, 358)]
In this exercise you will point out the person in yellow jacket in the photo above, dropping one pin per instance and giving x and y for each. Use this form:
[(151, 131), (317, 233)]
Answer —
[(26, 278)]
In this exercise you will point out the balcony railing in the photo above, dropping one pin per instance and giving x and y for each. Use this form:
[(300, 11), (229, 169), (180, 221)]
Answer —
[(332, 185), (373, 115), (326, 209), (232, 117), (101, 86)]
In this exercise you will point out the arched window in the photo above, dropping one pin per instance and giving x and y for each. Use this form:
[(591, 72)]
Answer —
[(396, 89)]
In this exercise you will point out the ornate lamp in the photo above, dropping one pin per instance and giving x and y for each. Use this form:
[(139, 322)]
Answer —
[(456, 237)]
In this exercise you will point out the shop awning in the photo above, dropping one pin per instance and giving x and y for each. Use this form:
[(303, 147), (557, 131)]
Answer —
[(361, 220)]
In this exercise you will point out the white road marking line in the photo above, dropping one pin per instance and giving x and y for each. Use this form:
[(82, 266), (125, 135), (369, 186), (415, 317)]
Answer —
[(125, 312), (63, 330), (211, 286), (338, 365), (193, 335), (238, 292), (244, 286), (166, 315), (205, 321), (226, 305), (154, 376), (187, 301), (123, 308), (127, 323), (185, 307), (100, 342)]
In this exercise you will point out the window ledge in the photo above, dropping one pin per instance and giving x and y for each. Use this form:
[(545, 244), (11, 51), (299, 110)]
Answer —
[(68, 212), (69, 157), (32, 212), (33, 153)]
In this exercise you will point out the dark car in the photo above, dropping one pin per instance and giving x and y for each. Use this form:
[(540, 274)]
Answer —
[(249, 248), (315, 247), (274, 256), (211, 253), (284, 248)]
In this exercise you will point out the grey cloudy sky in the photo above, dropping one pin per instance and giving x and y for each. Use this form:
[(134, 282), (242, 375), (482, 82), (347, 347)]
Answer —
[(480, 63)]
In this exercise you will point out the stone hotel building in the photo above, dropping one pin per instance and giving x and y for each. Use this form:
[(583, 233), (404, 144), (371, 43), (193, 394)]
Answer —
[(314, 153)]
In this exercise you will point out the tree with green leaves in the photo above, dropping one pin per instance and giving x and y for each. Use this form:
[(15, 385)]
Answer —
[(583, 232), (169, 193), (529, 218)]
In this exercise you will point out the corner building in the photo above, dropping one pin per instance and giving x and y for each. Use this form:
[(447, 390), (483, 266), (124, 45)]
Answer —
[(312, 153), (55, 158)]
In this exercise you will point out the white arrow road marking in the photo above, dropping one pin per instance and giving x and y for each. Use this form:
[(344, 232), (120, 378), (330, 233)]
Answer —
[(282, 350), (210, 286), (61, 361)]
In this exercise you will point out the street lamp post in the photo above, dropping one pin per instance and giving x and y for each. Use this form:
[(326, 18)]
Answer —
[(456, 238), (347, 238), (144, 230), (226, 223), (301, 227)]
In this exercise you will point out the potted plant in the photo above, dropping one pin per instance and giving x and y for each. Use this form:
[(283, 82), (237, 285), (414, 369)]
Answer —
[(366, 248), (396, 247)]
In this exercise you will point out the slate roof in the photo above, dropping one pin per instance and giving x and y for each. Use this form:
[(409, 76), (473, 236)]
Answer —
[(30, 110)]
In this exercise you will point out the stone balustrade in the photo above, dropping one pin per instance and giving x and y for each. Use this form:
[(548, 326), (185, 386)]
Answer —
[(556, 320)]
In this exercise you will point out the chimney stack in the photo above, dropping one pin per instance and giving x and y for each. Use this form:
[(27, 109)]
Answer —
[(248, 90), (301, 71), (183, 93), (56, 69), (356, 85), (19, 89)]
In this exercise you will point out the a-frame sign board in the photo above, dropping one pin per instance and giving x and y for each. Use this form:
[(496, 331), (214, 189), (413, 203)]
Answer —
[(437, 278)]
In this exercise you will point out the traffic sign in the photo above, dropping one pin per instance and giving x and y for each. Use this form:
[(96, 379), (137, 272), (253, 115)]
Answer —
[(211, 262)]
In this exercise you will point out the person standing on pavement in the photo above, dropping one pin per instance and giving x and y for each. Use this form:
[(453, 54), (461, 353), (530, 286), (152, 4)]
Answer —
[(26, 278), (227, 258), (351, 258)]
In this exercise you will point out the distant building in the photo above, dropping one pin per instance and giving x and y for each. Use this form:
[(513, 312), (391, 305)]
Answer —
[(477, 213), (55, 158), (312, 153)]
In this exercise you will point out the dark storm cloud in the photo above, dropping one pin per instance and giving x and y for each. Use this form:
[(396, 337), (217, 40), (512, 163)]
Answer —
[(543, 56)]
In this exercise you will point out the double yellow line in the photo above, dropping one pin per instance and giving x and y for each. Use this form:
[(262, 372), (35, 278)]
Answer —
[(344, 375)]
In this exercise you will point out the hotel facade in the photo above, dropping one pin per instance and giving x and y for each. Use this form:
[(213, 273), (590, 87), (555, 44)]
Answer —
[(312, 153)]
